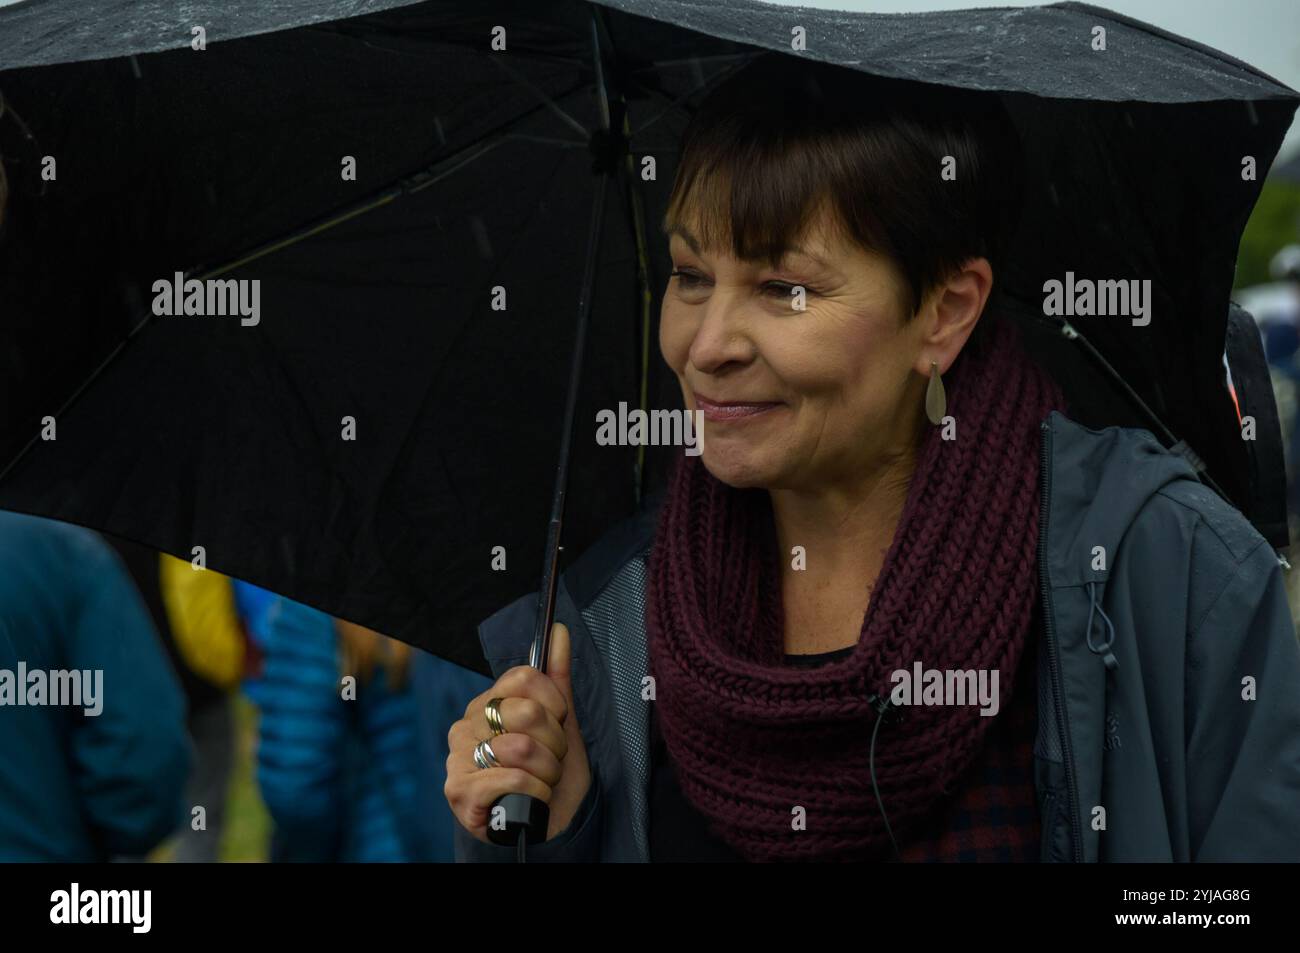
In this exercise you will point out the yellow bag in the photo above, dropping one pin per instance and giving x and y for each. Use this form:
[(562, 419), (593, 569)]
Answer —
[(201, 609)]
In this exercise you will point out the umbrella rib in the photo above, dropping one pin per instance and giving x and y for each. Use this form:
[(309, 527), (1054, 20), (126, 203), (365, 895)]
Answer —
[(716, 78), (692, 60), (549, 140), (76, 394), (1071, 333), (643, 280), (547, 101), (637, 206), (407, 185)]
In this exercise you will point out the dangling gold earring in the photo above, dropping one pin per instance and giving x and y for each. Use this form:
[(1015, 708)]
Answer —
[(936, 401)]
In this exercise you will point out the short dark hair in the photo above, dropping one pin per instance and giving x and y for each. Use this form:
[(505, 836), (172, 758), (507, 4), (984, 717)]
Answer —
[(781, 135)]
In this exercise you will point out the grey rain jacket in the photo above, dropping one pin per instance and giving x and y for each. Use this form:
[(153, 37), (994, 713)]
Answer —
[(1188, 750)]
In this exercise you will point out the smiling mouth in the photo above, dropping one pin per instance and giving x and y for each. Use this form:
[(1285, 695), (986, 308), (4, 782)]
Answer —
[(718, 411)]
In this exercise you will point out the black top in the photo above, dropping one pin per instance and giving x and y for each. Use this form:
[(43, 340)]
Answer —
[(678, 832)]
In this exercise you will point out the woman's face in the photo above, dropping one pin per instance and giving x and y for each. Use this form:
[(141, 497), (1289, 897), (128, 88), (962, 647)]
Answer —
[(794, 399)]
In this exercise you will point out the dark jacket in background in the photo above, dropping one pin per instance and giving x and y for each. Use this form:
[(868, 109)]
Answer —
[(75, 787)]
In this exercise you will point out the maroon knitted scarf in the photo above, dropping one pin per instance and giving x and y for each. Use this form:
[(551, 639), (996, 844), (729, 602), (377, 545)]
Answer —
[(753, 739)]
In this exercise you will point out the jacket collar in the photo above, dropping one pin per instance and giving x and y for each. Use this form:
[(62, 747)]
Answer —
[(1094, 484), (1099, 480)]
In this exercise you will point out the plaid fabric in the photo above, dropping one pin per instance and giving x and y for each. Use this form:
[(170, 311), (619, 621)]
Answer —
[(994, 814)]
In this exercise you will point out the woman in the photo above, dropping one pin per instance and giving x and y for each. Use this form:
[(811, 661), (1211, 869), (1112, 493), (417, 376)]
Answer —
[(901, 607)]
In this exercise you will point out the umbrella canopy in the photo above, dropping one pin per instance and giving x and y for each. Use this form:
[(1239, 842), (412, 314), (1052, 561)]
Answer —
[(381, 294)]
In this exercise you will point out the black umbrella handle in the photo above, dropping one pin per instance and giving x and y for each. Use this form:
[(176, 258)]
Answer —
[(516, 819)]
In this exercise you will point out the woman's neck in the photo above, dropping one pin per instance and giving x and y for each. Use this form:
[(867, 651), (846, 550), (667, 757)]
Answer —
[(840, 520), (844, 533)]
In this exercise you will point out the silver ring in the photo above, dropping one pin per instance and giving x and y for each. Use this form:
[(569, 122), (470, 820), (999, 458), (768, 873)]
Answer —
[(484, 756)]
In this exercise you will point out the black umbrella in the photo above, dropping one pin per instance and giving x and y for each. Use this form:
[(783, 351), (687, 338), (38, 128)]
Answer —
[(519, 174)]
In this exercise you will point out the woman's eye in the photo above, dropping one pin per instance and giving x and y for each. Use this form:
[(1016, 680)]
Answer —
[(784, 289), (687, 279), (776, 289)]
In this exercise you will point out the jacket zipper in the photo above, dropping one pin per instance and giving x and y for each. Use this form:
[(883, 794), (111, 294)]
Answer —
[(1049, 625)]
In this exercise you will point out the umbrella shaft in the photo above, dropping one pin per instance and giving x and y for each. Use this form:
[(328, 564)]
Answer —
[(541, 649)]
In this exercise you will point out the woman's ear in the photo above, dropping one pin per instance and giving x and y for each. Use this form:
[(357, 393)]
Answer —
[(950, 312)]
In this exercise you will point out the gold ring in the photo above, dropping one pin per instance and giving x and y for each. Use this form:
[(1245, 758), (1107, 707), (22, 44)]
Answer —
[(493, 712)]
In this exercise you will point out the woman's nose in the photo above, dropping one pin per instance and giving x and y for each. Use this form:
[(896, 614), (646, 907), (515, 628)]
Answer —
[(721, 339)]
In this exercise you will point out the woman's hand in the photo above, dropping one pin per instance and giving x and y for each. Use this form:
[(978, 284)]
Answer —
[(541, 754)]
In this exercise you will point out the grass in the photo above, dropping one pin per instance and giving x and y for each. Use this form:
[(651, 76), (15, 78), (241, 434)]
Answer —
[(246, 835)]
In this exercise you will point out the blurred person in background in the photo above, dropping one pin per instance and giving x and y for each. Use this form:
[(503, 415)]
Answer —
[(77, 786), (254, 605), (1275, 307), (1281, 330), (213, 653), (336, 754), (440, 690)]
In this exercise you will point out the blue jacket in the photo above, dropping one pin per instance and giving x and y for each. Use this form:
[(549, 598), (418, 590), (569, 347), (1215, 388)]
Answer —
[(1188, 750), (74, 786), (338, 777)]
